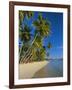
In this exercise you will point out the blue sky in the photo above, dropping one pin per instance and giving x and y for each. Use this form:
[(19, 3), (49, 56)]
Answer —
[(56, 36)]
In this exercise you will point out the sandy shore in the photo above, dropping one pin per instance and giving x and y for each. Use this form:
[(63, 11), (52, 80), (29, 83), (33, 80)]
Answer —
[(29, 69)]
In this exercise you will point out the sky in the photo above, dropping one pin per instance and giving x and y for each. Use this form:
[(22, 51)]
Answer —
[(56, 36)]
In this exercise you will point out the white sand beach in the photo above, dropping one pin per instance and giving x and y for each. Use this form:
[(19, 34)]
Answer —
[(27, 70)]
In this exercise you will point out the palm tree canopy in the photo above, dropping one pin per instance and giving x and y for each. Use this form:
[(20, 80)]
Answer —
[(49, 45), (42, 30), (24, 34), (23, 14), (42, 26)]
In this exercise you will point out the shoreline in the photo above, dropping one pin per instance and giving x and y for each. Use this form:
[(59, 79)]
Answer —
[(27, 70)]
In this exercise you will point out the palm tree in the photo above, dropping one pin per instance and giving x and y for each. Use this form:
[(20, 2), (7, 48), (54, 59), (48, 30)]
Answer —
[(36, 50), (24, 32), (23, 14), (42, 31), (49, 45), (42, 26), (25, 37)]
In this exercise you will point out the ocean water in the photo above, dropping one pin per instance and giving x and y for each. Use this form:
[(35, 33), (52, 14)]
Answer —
[(53, 69)]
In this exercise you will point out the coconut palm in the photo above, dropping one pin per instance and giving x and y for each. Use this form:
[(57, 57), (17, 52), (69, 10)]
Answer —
[(35, 51), (42, 30), (42, 26), (41, 54), (25, 37), (23, 14), (49, 45), (24, 32)]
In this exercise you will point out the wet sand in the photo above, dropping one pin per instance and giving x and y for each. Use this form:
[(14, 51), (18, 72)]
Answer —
[(53, 69)]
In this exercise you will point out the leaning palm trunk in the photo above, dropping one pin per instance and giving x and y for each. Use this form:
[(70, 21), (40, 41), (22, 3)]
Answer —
[(42, 30), (27, 55), (27, 52), (27, 59)]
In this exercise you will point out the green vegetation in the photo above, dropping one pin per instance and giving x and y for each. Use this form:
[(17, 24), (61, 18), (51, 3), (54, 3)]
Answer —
[(32, 48)]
